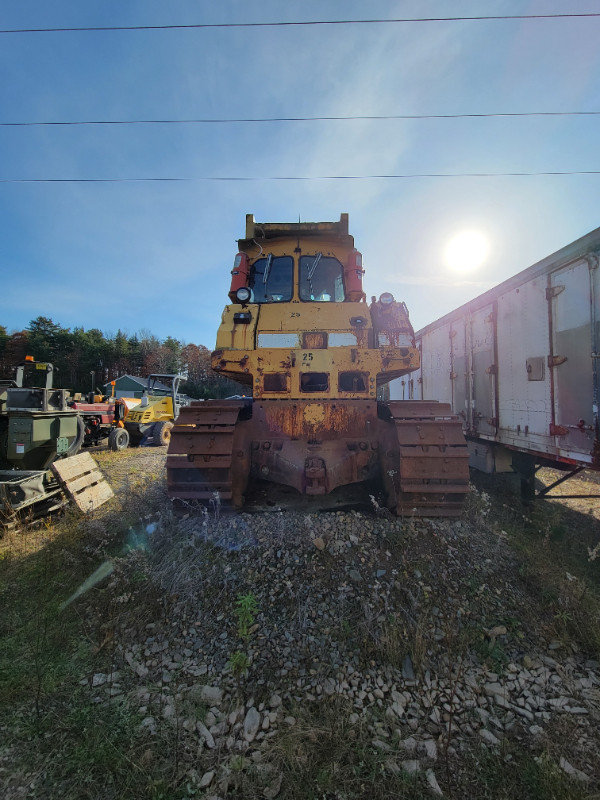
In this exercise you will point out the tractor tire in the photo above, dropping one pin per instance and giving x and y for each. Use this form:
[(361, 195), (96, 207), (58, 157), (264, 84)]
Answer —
[(118, 439), (161, 433)]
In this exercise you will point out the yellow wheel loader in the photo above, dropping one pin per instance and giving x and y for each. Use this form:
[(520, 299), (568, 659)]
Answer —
[(151, 421)]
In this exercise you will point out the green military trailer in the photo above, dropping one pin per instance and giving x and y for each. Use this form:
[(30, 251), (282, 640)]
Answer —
[(36, 428)]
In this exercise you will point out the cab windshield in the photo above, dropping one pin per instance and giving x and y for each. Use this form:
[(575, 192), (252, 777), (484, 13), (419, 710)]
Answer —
[(271, 279), (321, 279)]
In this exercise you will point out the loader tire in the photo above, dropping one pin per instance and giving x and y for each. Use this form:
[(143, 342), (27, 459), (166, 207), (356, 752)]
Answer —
[(118, 439), (161, 433)]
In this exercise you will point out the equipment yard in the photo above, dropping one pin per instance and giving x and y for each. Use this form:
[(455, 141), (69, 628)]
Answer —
[(297, 654)]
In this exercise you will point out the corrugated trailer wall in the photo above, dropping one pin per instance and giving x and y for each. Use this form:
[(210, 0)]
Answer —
[(519, 364)]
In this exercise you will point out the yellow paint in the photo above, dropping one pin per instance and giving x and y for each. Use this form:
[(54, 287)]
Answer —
[(275, 340), (313, 316), (381, 364), (236, 336), (156, 410)]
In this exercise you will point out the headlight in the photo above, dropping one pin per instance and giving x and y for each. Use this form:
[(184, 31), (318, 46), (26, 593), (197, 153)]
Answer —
[(243, 294), (386, 298)]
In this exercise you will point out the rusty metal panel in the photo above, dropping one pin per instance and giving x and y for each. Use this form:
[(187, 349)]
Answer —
[(314, 340), (413, 433), (452, 465), (326, 419), (419, 408), (202, 443), (224, 413), (174, 461)]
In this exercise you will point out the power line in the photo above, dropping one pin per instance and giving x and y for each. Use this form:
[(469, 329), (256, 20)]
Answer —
[(375, 117), (305, 178), (402, 20)]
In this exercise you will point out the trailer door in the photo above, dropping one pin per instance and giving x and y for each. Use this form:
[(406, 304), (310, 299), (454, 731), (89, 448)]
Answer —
[(460, 371), (570, 298), (482, 348), (435, 366)]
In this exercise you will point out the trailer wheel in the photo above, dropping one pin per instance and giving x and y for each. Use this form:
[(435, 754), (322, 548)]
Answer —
[(161, 433), (118, 439)]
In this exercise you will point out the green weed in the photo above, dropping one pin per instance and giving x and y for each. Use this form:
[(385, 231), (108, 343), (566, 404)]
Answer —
[(245, 612), (239, 663)]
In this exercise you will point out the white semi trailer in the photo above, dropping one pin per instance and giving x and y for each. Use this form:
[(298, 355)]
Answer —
[(519, 364)]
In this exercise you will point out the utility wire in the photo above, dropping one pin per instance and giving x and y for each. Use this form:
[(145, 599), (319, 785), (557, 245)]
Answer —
[(305, 23), (375, 117), (304, 178)]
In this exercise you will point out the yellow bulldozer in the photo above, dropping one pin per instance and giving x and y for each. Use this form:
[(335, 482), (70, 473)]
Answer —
[(315, 358)]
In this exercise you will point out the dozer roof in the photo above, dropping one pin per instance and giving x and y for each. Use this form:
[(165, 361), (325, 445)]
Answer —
[(264, 231)]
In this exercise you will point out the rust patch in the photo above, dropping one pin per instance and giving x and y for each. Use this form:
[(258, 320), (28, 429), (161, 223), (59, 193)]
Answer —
[(362, 337), (314, 414), (328, 420), (314, 340)]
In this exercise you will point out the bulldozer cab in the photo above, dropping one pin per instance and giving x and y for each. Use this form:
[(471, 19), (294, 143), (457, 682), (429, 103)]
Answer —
[(299, 324), (320, 279)]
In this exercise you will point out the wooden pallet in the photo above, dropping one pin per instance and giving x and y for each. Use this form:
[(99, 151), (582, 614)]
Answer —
[(82, 480)]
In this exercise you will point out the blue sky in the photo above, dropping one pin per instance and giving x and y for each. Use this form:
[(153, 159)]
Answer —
[(157, 256)]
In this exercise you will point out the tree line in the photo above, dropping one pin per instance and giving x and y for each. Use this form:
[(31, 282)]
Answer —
[(87, 360)]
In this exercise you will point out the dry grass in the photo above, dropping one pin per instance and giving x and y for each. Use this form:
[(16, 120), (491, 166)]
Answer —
[(324, 756)]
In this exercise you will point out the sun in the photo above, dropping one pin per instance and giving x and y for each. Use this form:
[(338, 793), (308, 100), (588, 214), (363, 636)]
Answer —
[(466, 251)]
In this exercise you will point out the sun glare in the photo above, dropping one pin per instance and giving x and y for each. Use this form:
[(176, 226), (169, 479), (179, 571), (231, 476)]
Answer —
[(466, 251)]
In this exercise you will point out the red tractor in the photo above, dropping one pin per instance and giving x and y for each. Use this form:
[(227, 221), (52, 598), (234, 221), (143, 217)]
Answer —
[(103, 420)]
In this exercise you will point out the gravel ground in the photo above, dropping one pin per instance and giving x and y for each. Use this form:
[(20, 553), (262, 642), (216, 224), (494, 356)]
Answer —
[(426, 632)]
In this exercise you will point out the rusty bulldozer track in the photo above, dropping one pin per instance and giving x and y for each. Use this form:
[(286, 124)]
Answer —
[(201, 457), (419, 456), (429, 462)]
